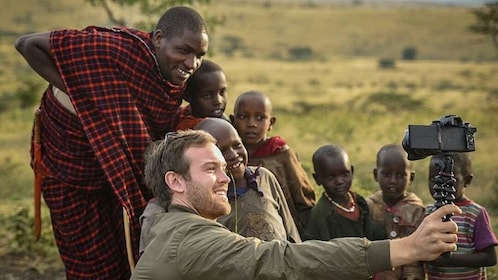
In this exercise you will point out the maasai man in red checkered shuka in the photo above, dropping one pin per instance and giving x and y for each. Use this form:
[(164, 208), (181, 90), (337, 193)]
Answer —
[(112, 91)]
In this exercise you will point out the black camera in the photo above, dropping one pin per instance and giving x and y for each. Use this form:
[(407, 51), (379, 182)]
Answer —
[(449, 134)]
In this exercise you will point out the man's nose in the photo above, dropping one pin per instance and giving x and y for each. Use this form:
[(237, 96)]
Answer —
[(223, 177), (192, 61)]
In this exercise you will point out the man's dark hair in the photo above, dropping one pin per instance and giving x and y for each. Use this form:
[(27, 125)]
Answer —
[(207, 66), (176, 19)]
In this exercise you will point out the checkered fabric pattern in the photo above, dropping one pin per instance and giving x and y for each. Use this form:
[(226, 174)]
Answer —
[(96, 157)]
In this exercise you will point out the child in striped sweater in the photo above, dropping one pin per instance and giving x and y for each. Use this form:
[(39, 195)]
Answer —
[(476, 239)]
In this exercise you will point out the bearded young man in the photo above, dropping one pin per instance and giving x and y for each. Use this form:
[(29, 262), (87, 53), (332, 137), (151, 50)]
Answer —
[(187, 171)]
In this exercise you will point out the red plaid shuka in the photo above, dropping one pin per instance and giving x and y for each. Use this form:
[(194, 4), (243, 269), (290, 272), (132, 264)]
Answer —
[(95, 158), (184, 120), (271, 146)]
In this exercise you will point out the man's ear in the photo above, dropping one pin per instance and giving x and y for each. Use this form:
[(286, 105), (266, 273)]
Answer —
[(375, 174), (157, 36), (272, 122), (175, 181), (352, 169)]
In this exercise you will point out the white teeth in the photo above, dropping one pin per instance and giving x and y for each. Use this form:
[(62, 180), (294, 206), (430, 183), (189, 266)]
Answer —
[(235, 165), (222, 194), (183, 73)]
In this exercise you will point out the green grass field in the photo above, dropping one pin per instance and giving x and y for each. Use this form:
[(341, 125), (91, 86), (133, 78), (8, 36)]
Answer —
[(335, 94)]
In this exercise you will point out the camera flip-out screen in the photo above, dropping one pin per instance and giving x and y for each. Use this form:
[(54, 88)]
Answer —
[(425, 137), (447, 138)]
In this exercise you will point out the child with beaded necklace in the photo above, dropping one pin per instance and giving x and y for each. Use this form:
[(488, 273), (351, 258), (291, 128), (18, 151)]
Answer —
[(339, 212)]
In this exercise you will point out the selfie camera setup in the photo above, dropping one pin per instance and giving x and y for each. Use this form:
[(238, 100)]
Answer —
[(443, 137)]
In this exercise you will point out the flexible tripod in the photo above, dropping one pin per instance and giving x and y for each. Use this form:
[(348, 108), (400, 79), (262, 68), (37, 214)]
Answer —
[(444, 185)]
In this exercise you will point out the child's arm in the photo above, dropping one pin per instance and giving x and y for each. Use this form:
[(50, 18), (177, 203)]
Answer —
[(300, 188), (486, 257), (283, 211)]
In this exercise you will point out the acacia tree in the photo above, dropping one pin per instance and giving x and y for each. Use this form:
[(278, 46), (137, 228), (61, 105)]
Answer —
[(487, 22), (151, 9)]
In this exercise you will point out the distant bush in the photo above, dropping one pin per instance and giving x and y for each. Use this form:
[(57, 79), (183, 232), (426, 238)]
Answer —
[(387, 63), (300, 53), (18, 234), (231, 44), (409, 53), (445, 84), (8, 102), (381, 102), (27, 95), (259, 78), (493, 92)]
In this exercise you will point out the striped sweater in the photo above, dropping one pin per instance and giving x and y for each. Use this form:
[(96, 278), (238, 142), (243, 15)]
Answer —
[(474, 234)]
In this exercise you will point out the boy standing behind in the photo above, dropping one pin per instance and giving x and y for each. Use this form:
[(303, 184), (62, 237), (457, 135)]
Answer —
[(339, 212), (253, 119), (206, 93), (476, 239), (258, 205), (401, 212)]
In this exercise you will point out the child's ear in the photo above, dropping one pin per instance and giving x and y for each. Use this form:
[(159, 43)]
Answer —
[(232, 119), (375, 174), (352, 169), (272, 122), (412, 177), (468, 179)]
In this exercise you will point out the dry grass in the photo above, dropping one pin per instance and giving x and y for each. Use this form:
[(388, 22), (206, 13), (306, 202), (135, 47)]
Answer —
[(331, 31)]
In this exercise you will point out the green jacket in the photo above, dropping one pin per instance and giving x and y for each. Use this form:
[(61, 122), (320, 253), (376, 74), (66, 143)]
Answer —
[(185, 245)]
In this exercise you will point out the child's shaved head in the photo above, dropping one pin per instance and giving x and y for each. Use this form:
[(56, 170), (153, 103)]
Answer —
[(253, 95)]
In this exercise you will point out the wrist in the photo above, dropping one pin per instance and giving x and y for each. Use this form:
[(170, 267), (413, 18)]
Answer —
[(400, 252)]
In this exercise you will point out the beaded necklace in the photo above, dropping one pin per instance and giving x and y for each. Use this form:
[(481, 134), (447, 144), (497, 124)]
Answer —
[(350, 210)]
